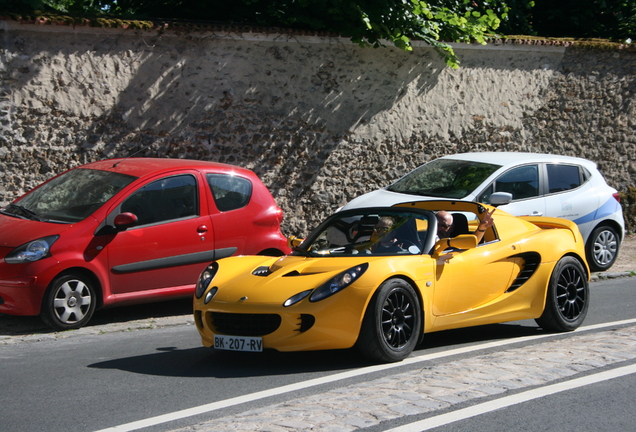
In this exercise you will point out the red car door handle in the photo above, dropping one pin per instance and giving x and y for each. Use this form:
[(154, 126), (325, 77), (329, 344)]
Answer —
[(202, 229)]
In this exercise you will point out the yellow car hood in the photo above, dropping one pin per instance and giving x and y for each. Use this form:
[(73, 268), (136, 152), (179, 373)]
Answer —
[(286, 277)]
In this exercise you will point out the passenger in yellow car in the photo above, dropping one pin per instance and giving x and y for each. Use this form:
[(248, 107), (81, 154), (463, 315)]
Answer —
[(446, 226), (485, 223)]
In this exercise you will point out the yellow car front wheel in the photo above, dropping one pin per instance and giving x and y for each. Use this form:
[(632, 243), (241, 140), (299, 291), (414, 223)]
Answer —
[(392, 323)]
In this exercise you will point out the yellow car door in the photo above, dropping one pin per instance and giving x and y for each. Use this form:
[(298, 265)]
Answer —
[(471, 278)]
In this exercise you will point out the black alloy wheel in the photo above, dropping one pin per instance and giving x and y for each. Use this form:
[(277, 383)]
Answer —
[(568, 297), (392, 323)]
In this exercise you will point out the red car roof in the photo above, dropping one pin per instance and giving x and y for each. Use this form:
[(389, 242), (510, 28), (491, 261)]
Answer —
[(138, 167)]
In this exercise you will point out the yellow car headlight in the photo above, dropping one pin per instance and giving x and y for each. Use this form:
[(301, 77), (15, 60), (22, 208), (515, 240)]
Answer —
[(296, 298), (205, 279), (338, 283), (210, 295)]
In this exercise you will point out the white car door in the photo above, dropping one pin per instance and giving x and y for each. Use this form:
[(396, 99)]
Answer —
[(569, 196), (523, 183)]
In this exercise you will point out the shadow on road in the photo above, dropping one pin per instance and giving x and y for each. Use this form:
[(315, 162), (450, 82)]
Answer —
[(480, 334), (207, 362)]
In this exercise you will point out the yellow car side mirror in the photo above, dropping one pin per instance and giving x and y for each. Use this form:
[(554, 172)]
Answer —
[(293, 241), (464, 241)]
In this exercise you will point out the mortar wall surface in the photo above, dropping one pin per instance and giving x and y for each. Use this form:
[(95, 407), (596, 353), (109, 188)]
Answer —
[(319, 119)]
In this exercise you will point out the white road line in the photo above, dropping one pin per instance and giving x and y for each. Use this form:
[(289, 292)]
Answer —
[(504, 402), (201, 409)]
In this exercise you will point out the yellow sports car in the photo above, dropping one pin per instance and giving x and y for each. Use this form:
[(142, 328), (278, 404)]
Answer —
[(380, 279)]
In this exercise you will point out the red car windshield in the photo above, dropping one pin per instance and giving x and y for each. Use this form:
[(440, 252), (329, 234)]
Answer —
[(70, 197)]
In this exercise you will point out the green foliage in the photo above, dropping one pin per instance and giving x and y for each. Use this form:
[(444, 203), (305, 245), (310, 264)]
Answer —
[(20, 5), (372, 22), (606, 19), (518, 19), (366, 22), (75, 7)]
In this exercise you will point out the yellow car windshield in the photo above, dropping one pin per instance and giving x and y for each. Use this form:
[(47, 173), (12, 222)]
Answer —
[(372, 232)]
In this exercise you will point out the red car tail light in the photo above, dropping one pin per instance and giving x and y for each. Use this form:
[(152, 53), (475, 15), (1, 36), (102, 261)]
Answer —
[(271, 216)]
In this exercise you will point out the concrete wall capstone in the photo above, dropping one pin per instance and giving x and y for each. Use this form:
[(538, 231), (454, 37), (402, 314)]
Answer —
[(319, 119)]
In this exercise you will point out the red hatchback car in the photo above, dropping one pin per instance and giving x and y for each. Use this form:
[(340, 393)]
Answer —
[(125, 231)]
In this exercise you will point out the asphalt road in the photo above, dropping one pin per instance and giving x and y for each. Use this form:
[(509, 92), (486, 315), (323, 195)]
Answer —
[(597, 407), (116, 374)]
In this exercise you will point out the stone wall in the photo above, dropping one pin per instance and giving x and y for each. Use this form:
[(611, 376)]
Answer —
[(319, 119)]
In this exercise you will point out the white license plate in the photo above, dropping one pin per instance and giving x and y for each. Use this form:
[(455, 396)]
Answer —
[(238, 343)]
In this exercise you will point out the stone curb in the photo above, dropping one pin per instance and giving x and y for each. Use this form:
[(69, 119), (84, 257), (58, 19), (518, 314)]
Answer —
[(595, 277)]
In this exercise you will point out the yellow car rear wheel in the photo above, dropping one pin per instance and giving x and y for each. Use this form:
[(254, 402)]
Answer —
[(568, 297)]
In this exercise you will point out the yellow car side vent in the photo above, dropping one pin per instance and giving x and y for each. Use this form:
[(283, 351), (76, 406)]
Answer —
[(531, 261)]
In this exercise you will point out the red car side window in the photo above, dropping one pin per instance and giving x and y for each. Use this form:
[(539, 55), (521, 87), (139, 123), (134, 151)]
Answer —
[(166, 199), (230, 192)]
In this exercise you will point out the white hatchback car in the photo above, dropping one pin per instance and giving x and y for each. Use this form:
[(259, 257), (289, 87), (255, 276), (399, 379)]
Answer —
[(540, 185)]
